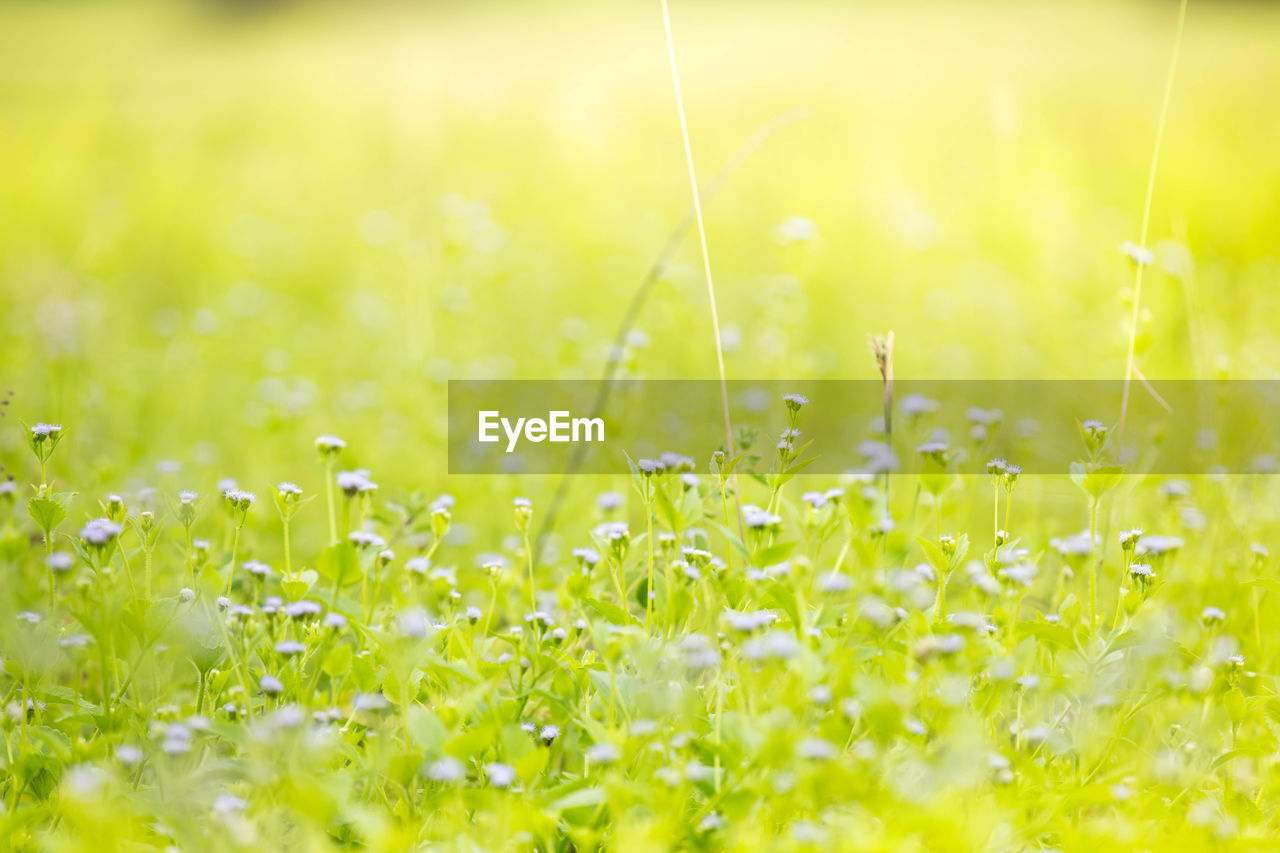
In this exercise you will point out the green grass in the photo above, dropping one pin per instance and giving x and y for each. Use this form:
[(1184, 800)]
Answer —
[(221, 237)]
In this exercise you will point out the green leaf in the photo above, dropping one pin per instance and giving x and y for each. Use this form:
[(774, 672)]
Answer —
[(47, 513), (786, 476), (339, 564), (610, 611), (337, 662), (666, 509), (738, 544), (299, 585), (785, 597), (1095, 480), (1233, 754), (774, 554), (1269, 584), (426, 730), (593, 796)]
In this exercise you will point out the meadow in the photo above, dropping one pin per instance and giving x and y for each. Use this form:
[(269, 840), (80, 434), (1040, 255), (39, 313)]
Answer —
[(246, 605)]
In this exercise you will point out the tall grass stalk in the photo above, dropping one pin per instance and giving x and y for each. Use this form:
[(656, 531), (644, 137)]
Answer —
[(702, 238), (1146, 216)]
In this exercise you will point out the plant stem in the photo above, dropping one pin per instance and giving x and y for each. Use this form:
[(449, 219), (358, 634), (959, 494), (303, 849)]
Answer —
[(235, 551), (328, 491), (648, 520), (533, 589), (288, 559), (1093, 567)]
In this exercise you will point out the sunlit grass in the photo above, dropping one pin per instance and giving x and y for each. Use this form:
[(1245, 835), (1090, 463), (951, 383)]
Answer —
[(222, 236)]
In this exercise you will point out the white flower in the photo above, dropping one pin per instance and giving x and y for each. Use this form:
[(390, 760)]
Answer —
[(60, 561), (548, 733), (834, 582), (914, 405), (757, 518), (43, 430), (795, 229), (414, 624), (286, 488), (613, 531), (447, 769), (677, 461), (603, 753), (355, 482), (748, 622), (302, 609), (817, 749), (370, 702), (100, 531), (771, 645), (608, 501), (240, 498), (257, 568), (1156, 546), (1212, 615), (365, 539), (795, 401), (330, 443), (1137, 254), (271, 685), (289, 648), (500, 775), (650, 466)]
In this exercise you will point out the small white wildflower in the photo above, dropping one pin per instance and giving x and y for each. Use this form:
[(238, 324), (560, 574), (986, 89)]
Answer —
[(817, 749), (60, 561), (817, 500), (833, 582), (100, 531), (609, 501), (330, 444), (794, 401), (365, 539), (257, 568), (1138, 254), (771, 645), (447, 769), (500, 775), (1212, 615), (603, 753), (414, 624)]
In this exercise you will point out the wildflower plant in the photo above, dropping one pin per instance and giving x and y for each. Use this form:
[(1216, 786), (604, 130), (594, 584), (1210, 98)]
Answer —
[(720, 649)]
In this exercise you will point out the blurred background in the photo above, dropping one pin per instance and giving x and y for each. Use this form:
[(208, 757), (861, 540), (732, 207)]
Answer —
[(228, 227)]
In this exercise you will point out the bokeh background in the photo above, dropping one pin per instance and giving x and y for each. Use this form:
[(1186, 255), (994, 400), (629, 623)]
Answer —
[(225, 229)]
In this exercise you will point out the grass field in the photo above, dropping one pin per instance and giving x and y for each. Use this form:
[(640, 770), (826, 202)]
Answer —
[(225, 234)]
